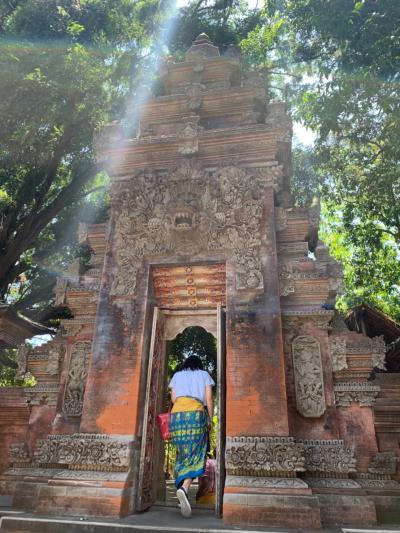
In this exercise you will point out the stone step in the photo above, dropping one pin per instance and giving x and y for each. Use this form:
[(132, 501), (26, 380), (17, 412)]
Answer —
[(15, 524), (10, 522)]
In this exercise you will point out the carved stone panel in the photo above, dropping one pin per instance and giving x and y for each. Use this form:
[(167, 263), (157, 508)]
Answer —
[(328, 456), (55, 357), (338, 352), (384, 463), (43, 393), (363, 393), (308, 376), (263, 456), (19, 454), (85, 450), (189, 211), (265, 482), (188, 137), (286, 283), (76, 381)]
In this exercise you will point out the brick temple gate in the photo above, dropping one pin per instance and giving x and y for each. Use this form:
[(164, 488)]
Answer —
[(202, 222)]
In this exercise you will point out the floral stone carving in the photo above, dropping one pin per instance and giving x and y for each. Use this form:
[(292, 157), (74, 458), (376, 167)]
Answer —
[(190, 211), (56, 354), (188, 137), (383, 463), (338, 352), (363, 393), (308, 376), (286, 284), (85, 451), (19, 453), (76, 381), (328, 456), (263, 456), (378, 352)]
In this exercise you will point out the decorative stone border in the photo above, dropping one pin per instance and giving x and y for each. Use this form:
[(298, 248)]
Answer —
[(364, 394), (85, 452), (263, 456), (328, 458)]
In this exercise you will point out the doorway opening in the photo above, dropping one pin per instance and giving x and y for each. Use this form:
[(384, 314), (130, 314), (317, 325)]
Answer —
[(193, 340), (172, 333)]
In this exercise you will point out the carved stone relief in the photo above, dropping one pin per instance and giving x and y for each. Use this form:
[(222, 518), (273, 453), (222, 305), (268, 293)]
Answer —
[(363, 393), (293, 320), (56, 355), (379, 352), (194, 96), (332, 483), (43, 393), (19, 453), (286, 284), (328, 456), (188, 137), (338, 352), (265, 482), (383, 463), (80, 451), (263, 456), (375, 346), (22, 360), (76, 381), (189, 211), (378, 484), (280, 218), (308, 376)]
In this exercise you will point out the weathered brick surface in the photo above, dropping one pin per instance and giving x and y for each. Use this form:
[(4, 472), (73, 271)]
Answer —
[(387, 508), (272, 511), (356, 427), (346, 509), (14, 417)]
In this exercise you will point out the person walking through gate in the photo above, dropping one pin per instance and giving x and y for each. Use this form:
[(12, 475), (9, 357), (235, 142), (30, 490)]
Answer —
[(190, 423)]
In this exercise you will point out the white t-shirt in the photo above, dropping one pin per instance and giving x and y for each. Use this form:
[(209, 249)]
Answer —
[(191, 383)]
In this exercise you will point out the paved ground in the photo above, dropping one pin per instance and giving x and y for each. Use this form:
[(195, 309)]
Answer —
[(158, 519)]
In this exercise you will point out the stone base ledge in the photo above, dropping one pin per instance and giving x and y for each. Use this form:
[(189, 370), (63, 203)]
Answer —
[(69, 499), (346, 509), (272, 510), (260, 485)]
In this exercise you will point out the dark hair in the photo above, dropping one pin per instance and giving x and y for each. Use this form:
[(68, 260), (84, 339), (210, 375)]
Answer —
[(193, 362)]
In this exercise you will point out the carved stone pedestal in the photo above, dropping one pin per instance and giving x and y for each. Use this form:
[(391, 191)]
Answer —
[(73, 492), (78, 475), (261, 488)]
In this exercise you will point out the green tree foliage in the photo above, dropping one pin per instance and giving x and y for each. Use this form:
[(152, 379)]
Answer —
[(66, 69), (193, 341), (225, 22), (354, 105), (345, 55), (8, 370)]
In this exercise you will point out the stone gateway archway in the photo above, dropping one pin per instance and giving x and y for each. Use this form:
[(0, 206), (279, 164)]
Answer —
[(201, 221)]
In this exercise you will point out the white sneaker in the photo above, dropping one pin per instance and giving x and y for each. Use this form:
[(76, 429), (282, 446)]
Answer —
[(186, 510)]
